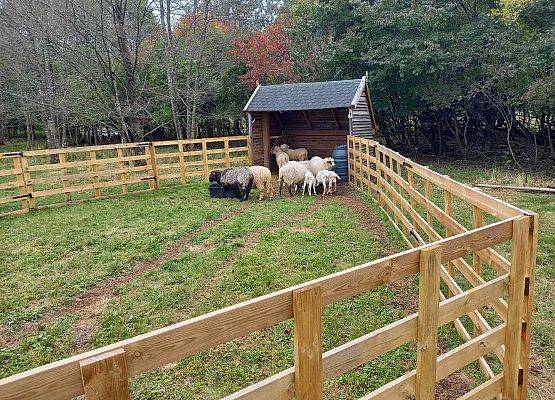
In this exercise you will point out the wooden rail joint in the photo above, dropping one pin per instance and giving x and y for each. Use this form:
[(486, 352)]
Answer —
[(22, 196), (105, 377), (12, 154)]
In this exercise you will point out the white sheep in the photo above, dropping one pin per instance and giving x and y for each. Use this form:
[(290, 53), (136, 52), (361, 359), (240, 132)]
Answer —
[(310, 182), (291, 174), (332, 181), (328, 179), (281, 157), (262, 181), (317, 164), (300, 154)]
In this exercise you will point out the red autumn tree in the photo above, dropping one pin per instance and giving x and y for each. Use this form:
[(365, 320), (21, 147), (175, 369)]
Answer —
[(267, 56)]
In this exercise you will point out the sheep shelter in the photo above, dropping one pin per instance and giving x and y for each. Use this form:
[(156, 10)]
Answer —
[(317, 116)]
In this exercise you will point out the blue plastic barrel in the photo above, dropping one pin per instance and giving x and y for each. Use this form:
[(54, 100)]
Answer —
[(340, 155)]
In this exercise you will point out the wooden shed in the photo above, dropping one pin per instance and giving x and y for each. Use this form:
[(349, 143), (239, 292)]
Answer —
[(317, 116)]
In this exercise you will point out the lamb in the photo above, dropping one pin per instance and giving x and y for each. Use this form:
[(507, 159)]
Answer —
[(332, 181), (291, 174), (300, 154), (281, 157), (317, 164), (310, 181), (262, 180), (328, 178), (238, 179)]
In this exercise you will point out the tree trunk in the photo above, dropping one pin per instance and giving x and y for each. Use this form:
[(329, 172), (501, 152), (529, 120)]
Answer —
[(130, 81), (169, 53)]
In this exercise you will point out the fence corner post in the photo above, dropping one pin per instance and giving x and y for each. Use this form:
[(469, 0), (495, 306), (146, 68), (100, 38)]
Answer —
[(154, 164), (528, 303), (520, 259), (27, 180), (105, 376), (428, 310), (307, 314)]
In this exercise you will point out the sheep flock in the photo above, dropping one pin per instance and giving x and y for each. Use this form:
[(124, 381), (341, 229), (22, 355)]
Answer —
[(295, 171)]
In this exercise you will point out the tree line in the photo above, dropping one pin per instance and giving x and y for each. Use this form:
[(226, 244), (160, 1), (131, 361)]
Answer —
[(467, 78)]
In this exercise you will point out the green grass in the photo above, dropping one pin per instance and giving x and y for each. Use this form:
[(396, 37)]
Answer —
[(50, 256), (68, 249)]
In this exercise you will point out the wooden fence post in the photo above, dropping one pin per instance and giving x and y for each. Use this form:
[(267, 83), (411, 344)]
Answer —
[(28, 180), (153, 164), (122, 174), (428, 309), (21, 187), (379, 174), (410, 179), (94, 174), (350, 162), (182, 175), (477, 222), (428, 195), (249, 150), (368, 168), (62, 158), (226, 149), (105, 376), (528, 300), (448, 207), (520, 260), (205, 160), (307, 314)]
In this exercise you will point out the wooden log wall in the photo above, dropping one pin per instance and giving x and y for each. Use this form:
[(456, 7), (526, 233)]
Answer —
[(361, 118), (381, 172), (41, 178)]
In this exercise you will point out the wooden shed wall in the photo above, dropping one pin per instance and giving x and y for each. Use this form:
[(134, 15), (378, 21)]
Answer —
[(319, 131), (361, 120), (257, 142)]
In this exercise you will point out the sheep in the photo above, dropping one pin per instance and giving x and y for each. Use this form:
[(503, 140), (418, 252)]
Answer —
[(317, 164), (300, 154), (262, 180), (281, 157), (310, 181), (239, 179), (328, 178), (332, 181), (291, 174)]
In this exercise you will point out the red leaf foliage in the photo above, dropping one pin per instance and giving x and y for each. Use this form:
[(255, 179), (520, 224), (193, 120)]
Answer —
[(266, 54)]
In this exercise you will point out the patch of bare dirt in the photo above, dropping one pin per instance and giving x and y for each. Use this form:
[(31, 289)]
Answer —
[(453, 387), (541, 378), (89, 304), (405, 298)]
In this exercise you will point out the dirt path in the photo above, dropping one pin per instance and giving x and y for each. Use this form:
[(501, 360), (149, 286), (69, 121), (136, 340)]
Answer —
[(90, 303)]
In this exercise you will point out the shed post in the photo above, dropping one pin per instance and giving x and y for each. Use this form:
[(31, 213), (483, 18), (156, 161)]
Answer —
[(266, 138)]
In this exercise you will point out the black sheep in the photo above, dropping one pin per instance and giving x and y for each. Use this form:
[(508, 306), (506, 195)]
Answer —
[(239, 179)]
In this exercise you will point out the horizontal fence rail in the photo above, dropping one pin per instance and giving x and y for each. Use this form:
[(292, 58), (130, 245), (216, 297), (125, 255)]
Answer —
[(31, 179), (442, 250)]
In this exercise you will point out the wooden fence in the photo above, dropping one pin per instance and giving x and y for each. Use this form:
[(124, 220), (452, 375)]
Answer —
[(425, 207), (104, 373), (37, 178)]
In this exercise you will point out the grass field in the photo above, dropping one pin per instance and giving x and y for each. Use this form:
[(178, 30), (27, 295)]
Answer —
[(85, 275), (81, 276)]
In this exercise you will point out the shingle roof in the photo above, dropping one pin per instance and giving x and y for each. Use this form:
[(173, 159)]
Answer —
[(303, 96)]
